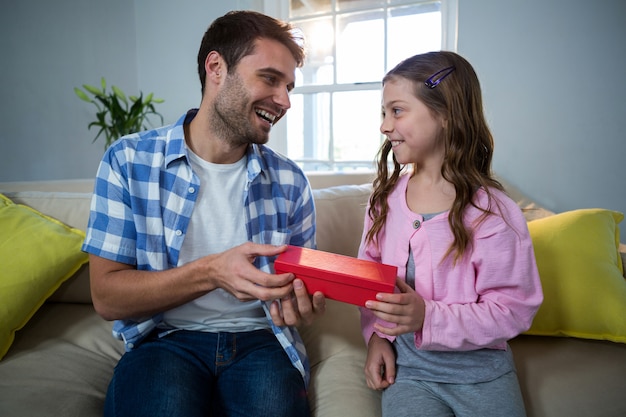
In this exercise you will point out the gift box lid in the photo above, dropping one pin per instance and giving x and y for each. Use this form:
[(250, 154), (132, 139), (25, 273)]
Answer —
[(338, 268)]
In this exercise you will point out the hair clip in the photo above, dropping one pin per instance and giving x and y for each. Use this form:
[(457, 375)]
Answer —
[(436, 78)]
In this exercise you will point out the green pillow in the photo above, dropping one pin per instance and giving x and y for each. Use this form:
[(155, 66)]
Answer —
[(37, 254), (581, 273)]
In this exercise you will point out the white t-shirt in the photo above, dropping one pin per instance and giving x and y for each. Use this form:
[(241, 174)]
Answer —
[(217, 224)]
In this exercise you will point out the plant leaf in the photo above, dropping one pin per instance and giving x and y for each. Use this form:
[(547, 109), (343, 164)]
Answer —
[(115, 116), (119, 93), (81, 95), (93, 90)]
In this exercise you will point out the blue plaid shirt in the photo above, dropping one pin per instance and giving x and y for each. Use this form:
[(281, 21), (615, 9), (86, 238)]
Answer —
[(144, 195)]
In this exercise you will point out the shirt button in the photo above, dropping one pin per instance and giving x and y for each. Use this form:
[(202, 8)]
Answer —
[(131, 345), (416, 224), (179, 232), (191, 190)]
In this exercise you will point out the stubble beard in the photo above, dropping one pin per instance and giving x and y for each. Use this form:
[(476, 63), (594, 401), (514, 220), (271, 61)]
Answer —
[(230, 118)]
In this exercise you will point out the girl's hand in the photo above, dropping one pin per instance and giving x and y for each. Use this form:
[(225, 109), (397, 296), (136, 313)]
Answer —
[(380, 365), (405, 309)]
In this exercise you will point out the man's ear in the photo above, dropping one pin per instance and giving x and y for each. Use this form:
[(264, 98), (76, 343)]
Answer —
[(215, 67)]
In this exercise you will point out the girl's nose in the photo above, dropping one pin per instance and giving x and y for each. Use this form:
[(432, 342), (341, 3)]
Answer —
[(385, 126)]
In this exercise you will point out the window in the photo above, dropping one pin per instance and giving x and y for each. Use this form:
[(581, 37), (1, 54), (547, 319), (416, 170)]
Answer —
[(333, 123)]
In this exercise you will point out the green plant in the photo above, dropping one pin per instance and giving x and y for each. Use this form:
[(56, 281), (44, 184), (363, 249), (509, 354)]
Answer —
[(117, 114)]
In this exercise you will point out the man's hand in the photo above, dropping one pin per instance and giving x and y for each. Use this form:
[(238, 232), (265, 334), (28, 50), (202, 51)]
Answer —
[(238, 275), (233, 270), (298, 308)]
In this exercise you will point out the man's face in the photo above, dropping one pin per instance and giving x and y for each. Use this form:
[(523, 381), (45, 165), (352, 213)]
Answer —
[(253, 98)]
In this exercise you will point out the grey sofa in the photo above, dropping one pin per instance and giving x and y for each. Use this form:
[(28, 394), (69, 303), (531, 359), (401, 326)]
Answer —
[(60, 363)]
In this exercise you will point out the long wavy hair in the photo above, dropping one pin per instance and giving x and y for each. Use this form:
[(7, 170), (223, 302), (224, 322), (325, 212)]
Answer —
[(468, 141)]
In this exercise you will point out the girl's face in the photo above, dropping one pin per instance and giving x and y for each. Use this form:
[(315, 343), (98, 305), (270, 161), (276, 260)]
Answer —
[(413, 130)]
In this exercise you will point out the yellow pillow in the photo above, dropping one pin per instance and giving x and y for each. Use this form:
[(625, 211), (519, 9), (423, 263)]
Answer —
[(37, 253), (581, 274)]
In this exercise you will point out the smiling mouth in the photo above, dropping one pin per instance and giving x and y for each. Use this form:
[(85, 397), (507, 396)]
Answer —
[(395, 143), (267, 116)]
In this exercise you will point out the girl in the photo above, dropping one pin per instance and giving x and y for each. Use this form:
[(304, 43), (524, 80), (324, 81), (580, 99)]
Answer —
[(468, 280)]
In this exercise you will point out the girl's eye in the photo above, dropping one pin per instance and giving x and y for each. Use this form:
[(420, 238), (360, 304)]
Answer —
[(396, 111)]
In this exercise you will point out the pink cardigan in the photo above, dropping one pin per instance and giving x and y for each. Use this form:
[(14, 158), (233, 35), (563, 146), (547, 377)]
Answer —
[(487, 298)]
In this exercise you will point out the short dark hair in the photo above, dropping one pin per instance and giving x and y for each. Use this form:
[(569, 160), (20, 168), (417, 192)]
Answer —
[(233, 36)]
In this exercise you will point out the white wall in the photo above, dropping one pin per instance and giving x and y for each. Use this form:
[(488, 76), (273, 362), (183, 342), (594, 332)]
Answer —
[(552, 74), (551, 71), (168, 38), (46, 49), (49, 47)]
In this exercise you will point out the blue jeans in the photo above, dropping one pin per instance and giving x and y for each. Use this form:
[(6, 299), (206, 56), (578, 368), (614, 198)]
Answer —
[(192, 374)]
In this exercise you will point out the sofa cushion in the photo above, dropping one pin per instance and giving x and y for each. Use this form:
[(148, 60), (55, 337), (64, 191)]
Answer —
[(581, 271), (68, 203), (340, 211), (77, 289), (570, 377), (69, 207), (60, 364), (38, 253), (337, 353)]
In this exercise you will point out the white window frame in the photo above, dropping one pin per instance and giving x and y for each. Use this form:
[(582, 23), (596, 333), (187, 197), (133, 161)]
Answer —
[(280, 10)]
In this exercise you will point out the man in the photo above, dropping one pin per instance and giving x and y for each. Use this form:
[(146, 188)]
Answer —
[(186, 221)]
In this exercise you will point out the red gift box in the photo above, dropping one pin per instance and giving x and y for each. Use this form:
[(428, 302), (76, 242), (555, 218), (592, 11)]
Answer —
[(339, 277)]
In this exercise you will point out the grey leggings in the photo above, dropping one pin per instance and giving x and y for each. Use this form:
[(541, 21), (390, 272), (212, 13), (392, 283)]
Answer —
[(497, 398)]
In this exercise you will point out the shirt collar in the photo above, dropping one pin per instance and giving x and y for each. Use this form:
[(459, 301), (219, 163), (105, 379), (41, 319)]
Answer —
[(256, 163), (176, 147)]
